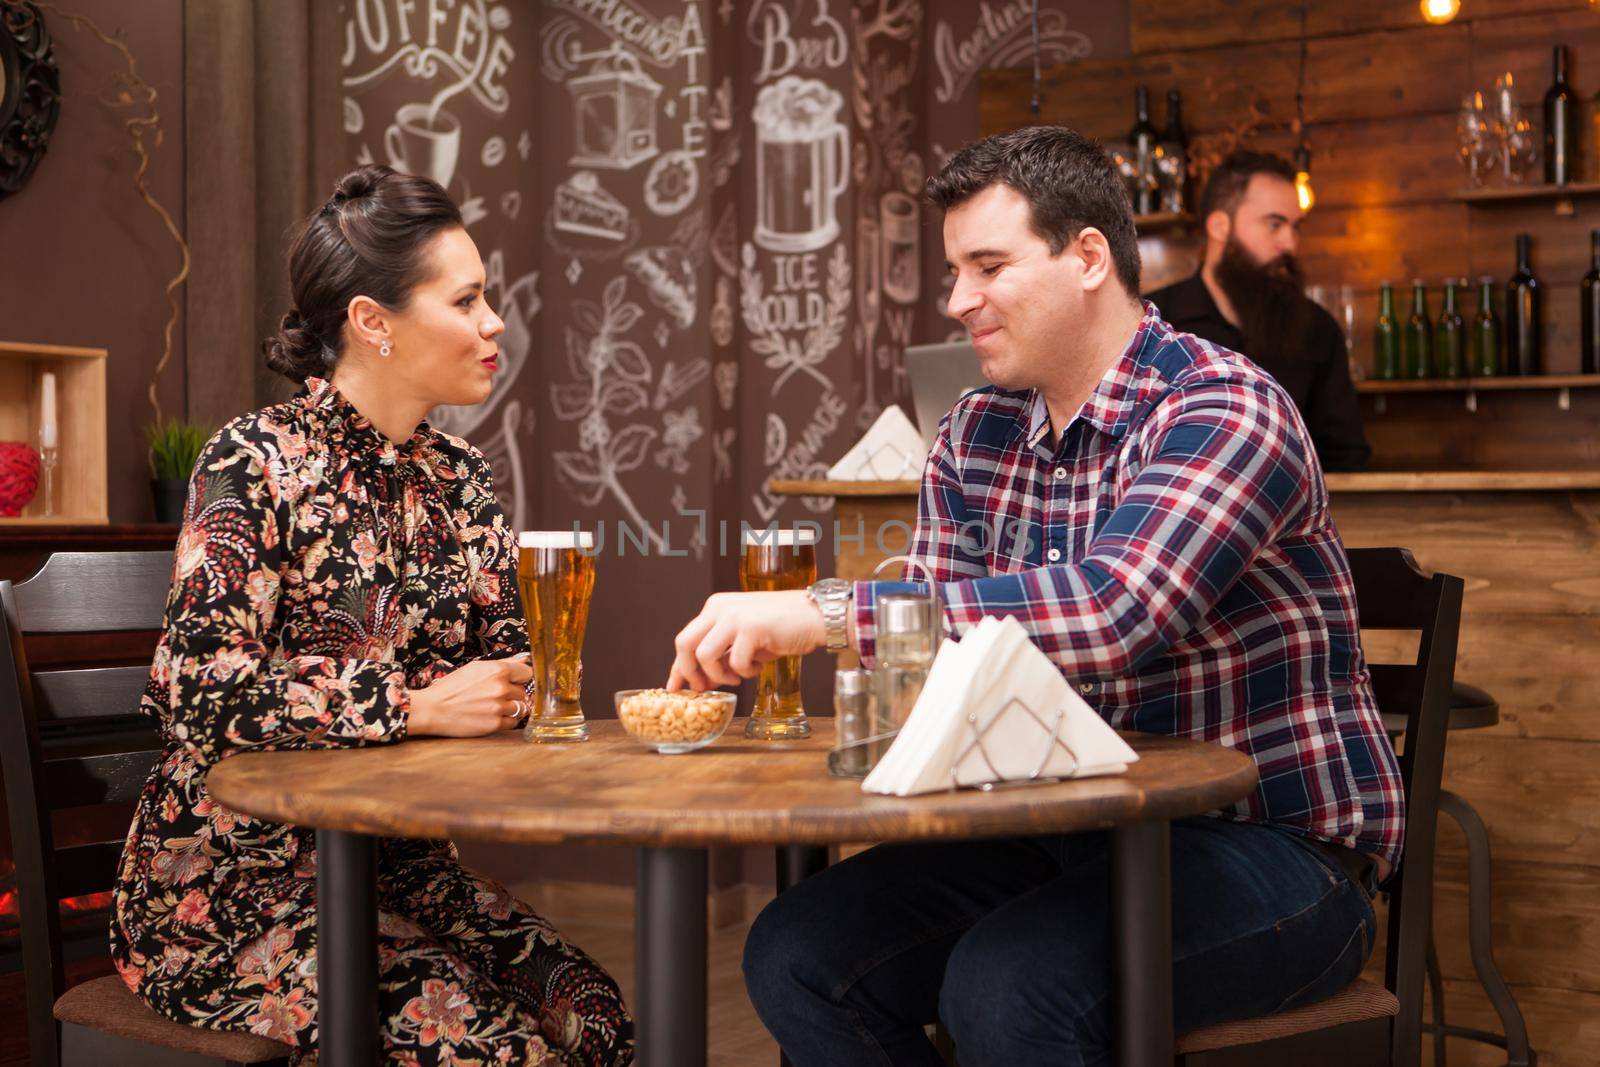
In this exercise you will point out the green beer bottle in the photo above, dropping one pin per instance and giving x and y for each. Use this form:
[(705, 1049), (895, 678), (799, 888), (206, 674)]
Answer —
[(1450, 335), (1485, 332), (1386, 339), (1416, 343)]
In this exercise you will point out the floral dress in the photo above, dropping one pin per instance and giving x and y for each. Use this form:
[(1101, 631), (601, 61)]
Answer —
[(322, 572)]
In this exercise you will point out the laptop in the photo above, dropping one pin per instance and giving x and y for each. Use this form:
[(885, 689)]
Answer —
[(940, 375)]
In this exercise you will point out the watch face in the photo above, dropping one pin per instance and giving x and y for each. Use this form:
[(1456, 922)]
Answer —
[(832, 587)]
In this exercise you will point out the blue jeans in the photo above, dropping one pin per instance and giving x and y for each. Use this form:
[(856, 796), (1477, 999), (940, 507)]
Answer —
[(1008, 944)]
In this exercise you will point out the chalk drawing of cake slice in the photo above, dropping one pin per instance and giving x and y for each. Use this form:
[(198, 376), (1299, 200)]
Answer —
[(582, 206)]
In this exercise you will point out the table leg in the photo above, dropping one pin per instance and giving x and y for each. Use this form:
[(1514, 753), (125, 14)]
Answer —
[(1141, 910), (670, 957), (347, 948), (796, 863)]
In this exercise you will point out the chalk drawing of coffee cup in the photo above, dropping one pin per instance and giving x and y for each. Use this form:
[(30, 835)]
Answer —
[(420, 143), (902, 274), (802, 164)]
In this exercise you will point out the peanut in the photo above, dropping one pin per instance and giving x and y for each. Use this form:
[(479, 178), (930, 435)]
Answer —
[(680, 716)]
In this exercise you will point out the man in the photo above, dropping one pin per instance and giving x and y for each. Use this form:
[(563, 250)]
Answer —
[(1250, 296), (1179, 565)]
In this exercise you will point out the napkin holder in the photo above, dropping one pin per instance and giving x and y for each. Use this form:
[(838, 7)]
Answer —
[(1037, 775), (891, 450)]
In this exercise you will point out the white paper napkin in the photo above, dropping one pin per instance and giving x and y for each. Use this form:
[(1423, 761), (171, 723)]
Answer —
[(995, 709), (891, 450)]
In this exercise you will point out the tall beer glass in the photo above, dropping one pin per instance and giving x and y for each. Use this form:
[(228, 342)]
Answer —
[(778, 559), (556, 580)]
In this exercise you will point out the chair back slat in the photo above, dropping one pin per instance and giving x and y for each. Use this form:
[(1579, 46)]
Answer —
[(1392, 593), (1397, 686), (88, 868), (111, 778), (101, 692), (78, 761), (95, 592)]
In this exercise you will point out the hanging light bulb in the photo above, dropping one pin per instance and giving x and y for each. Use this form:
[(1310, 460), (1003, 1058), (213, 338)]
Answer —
[(1302, 178), (1440, 12)]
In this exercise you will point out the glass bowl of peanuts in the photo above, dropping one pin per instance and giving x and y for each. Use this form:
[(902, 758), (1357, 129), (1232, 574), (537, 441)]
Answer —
[(676, 721)]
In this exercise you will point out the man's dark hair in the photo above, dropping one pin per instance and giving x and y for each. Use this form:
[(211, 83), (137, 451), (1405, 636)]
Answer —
[(1227, 183), (1067, 179)]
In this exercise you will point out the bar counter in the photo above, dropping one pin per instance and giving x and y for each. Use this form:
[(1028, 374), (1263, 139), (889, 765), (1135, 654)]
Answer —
[(1526, 544)]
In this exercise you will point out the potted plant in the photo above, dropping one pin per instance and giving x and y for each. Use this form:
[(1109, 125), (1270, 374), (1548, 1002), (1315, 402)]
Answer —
[(174, 447)]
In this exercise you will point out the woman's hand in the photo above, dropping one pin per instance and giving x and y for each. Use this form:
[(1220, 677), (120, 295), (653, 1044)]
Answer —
[(476, 698)]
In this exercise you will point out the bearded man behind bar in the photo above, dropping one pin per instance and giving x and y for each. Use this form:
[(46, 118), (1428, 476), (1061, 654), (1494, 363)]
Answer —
[(1249, 295)]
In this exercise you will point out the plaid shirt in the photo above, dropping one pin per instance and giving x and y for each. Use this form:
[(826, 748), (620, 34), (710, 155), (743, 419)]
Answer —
[(1174, 554)]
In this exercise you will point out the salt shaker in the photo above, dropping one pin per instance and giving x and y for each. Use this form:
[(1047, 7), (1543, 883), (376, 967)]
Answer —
[(852, 720)]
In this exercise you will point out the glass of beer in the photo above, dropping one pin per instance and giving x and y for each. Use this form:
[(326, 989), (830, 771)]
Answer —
[(555, 571), (778, 559)]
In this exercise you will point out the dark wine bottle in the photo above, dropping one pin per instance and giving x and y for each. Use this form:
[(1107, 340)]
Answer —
[(1416, 343), (1142, 143), (1589, 333), (1524, 315), (1386, 339), (1174, 150), (1450, 335), (1486, 332), (1560, 126)]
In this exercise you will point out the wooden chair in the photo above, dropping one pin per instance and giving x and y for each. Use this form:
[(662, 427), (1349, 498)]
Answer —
[(68, 739), (1369, 1024)]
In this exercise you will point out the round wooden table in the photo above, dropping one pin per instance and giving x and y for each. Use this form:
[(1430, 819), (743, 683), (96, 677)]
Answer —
[(611, 790)]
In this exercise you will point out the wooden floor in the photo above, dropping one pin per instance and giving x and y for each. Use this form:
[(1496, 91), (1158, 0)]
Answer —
[(736, 1036)]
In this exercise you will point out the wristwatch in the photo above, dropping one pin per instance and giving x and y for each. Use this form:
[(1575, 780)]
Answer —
[(832, 597)]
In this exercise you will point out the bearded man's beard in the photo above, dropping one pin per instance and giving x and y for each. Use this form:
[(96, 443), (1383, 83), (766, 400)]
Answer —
[(1269, 298)]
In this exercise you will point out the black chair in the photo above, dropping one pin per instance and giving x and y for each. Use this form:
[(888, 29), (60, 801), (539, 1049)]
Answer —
[(1369, 1024), (70, 739)]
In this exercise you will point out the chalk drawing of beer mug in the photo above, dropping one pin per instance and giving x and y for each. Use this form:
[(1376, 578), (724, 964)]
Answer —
[(422, 143), (802, 164)]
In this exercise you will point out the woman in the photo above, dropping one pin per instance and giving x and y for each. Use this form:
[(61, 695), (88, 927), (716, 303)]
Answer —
[(344, 578)]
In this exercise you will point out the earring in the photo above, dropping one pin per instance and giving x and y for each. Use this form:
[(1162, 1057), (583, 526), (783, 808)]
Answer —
[(385, 348)]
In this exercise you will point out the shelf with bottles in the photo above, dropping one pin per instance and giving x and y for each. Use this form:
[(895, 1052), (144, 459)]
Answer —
[(1563, 195), (1162, 222), (1561, 384)]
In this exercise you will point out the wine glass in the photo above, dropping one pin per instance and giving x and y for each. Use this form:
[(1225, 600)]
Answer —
[(1474, 142)]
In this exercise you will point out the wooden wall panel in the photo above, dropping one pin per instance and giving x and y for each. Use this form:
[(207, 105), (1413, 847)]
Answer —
[(1366, 247), (1560, 243), (1542, 911), (1159, 27), (1375, 162), (1168, 25), (1522, 46), (1562, 1025), (1434, 431)]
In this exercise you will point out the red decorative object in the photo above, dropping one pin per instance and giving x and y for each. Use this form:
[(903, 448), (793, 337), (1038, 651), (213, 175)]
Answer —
[(19, 477)]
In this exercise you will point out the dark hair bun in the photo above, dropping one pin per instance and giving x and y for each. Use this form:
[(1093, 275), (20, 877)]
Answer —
[(294, 351), (370, 239), (359, 183)]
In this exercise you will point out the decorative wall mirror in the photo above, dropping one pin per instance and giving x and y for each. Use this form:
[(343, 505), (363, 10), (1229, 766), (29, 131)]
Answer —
[(30, 93)]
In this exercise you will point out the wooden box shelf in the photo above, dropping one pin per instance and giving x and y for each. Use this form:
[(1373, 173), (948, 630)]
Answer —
[(80, 474)]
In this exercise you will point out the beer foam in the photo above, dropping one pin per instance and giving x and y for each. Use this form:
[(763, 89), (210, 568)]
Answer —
[(556, 539), (781, 538), (797, 109)]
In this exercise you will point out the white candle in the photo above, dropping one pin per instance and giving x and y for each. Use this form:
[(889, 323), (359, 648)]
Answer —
[(47, 412)]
